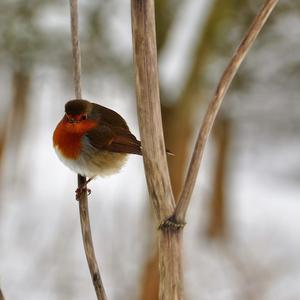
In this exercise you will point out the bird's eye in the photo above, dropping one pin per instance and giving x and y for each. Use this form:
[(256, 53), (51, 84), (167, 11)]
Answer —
[(83, 117)]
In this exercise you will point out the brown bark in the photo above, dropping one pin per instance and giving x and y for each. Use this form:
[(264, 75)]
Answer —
[(148, 105), (150, 280), (154, 152)]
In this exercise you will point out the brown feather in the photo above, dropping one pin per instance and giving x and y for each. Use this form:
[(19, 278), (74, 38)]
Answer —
[(114, 139), (125, 142), (78, 106), (107, 116), (111, 133)]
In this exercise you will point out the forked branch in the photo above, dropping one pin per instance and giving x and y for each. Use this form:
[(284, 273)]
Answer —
[(214, 106), (83, 199), (154, 152)]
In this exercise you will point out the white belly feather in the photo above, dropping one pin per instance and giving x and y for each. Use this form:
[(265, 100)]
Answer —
[(102, 163)]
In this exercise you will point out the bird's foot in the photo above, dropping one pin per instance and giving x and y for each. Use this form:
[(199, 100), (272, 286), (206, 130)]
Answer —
[(80, 190), (171, 224)]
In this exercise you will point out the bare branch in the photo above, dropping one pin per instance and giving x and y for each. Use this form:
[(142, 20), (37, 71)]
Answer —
[(148, 104), (215, 104), (75, 48), (154, 152), (83, 199), (88, 243)]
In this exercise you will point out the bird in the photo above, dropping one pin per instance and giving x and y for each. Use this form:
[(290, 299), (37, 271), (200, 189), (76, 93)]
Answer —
[(93, 140)]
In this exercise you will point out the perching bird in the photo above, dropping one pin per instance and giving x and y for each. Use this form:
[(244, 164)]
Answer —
[(93, 140)]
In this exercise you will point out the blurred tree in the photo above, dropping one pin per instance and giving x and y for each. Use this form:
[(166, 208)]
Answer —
[(217, 225), (165, 13), (18, 111), (1, 295), (179, 117), (20, 39)]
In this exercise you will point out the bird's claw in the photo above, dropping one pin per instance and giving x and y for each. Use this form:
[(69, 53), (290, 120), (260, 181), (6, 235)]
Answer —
[(80, 190), (171, 224)]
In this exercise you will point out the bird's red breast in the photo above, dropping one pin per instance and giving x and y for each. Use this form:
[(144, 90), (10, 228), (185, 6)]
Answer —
[(67, 136)]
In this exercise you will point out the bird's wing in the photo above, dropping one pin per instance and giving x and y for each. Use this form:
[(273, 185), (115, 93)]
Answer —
[(108, 116), (114, 139)]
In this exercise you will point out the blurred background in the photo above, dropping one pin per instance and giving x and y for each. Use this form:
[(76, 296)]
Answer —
[(242, 237)]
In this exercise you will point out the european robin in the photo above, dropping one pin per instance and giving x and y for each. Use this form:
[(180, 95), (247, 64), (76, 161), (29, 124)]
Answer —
[(93, 140)]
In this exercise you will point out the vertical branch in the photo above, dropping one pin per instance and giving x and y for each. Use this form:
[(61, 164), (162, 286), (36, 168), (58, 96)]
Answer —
[(154, 153), (148, 104), (75, 48), (83, 200), (215, 104)]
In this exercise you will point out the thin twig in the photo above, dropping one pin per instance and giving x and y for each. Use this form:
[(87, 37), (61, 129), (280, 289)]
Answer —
[(75, 48), (215, 104), (83, 199)]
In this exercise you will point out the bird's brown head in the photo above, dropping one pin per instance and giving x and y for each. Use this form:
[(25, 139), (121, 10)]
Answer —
[(76, 122), (78, 110)]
